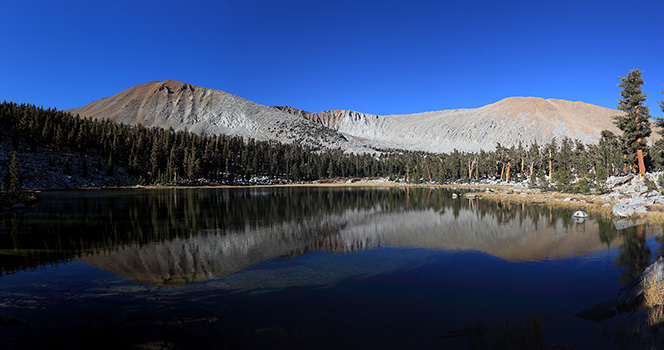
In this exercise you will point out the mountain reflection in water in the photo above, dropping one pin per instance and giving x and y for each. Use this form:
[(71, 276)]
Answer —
[(175, 236), (308, 267)]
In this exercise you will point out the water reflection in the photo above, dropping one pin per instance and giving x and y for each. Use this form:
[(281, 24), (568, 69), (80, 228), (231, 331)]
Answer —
[(634, 253), (176, 236)]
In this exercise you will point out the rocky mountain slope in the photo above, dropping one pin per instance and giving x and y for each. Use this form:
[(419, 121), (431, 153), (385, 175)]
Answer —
[(508, 121), (181, 106)]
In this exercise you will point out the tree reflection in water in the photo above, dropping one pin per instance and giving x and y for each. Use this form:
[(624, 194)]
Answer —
[(75, 224), (176, 236)]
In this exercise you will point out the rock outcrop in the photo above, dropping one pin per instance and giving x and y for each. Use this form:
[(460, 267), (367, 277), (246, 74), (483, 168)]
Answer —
[(325, 118)]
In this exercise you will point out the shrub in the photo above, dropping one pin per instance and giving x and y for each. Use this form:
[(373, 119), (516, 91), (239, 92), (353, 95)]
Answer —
[(650, 184), (563, 179)]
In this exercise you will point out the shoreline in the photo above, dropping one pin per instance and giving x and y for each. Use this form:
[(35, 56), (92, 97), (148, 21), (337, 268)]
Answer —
[(502, 193)]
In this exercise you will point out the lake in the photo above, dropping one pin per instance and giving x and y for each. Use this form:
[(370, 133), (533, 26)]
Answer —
[(310, 267)]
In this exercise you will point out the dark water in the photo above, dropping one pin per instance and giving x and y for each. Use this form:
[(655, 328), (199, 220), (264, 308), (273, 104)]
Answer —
[(309, 268)]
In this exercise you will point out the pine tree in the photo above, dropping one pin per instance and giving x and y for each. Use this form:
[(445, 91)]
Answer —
[(659, 144), (635, 123), (13, 176)]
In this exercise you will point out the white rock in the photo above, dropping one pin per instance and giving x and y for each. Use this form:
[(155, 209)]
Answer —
[(626, 210), (580, 214), (642, 201)]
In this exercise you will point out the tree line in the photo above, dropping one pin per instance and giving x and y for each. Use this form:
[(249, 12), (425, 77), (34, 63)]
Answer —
[(159, 156)]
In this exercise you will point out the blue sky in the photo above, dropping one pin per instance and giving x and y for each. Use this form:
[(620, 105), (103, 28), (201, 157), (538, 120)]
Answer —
[(381, 57)]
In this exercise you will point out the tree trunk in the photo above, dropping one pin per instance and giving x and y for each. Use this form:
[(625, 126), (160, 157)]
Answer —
[(532, 165), (502, 171), (509, 166), (642, 166), (550, 165), (477, 170)]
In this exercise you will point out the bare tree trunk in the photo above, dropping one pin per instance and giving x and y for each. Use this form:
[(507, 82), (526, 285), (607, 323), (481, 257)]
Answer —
[(642, 165), (477, 170), (502, 171), (470, 169), (532, 165), (550, 165), (509, 166)]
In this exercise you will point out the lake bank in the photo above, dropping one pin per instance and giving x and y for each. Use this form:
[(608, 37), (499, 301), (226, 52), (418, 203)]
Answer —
[(517, 193)]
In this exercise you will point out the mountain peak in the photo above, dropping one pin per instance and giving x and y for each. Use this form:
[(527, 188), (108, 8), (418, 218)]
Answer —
[(181, 106)]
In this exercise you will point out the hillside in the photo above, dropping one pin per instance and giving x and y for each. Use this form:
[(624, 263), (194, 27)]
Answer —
[(180, 106), (507, 121)]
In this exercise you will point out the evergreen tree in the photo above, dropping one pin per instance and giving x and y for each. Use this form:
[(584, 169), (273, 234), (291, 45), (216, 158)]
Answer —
[(658, 148), (13, 176), (635, 123)]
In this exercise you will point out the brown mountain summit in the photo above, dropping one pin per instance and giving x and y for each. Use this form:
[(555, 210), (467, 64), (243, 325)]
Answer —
[(180, 106)]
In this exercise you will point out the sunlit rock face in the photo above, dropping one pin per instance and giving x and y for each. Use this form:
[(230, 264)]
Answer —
[(180, 106), (512, 234), (508, 121)]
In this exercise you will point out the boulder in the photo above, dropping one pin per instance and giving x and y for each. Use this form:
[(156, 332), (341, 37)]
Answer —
[(580, 214), (652, 193), (643, 201), (618, 181)]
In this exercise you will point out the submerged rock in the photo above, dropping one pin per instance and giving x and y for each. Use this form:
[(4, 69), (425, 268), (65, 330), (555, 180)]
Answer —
[(599, 312), (623, 223)]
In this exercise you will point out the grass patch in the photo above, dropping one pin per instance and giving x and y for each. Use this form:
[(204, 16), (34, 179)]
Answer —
[(653, 293)]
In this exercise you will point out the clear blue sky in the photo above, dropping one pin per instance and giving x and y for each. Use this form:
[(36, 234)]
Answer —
[(381, 57)]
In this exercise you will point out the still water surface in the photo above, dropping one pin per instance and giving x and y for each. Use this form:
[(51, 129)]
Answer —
[(329, 268)]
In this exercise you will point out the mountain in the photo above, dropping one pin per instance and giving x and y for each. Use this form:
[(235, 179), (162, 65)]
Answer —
[(507, 121), (180, 106)]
